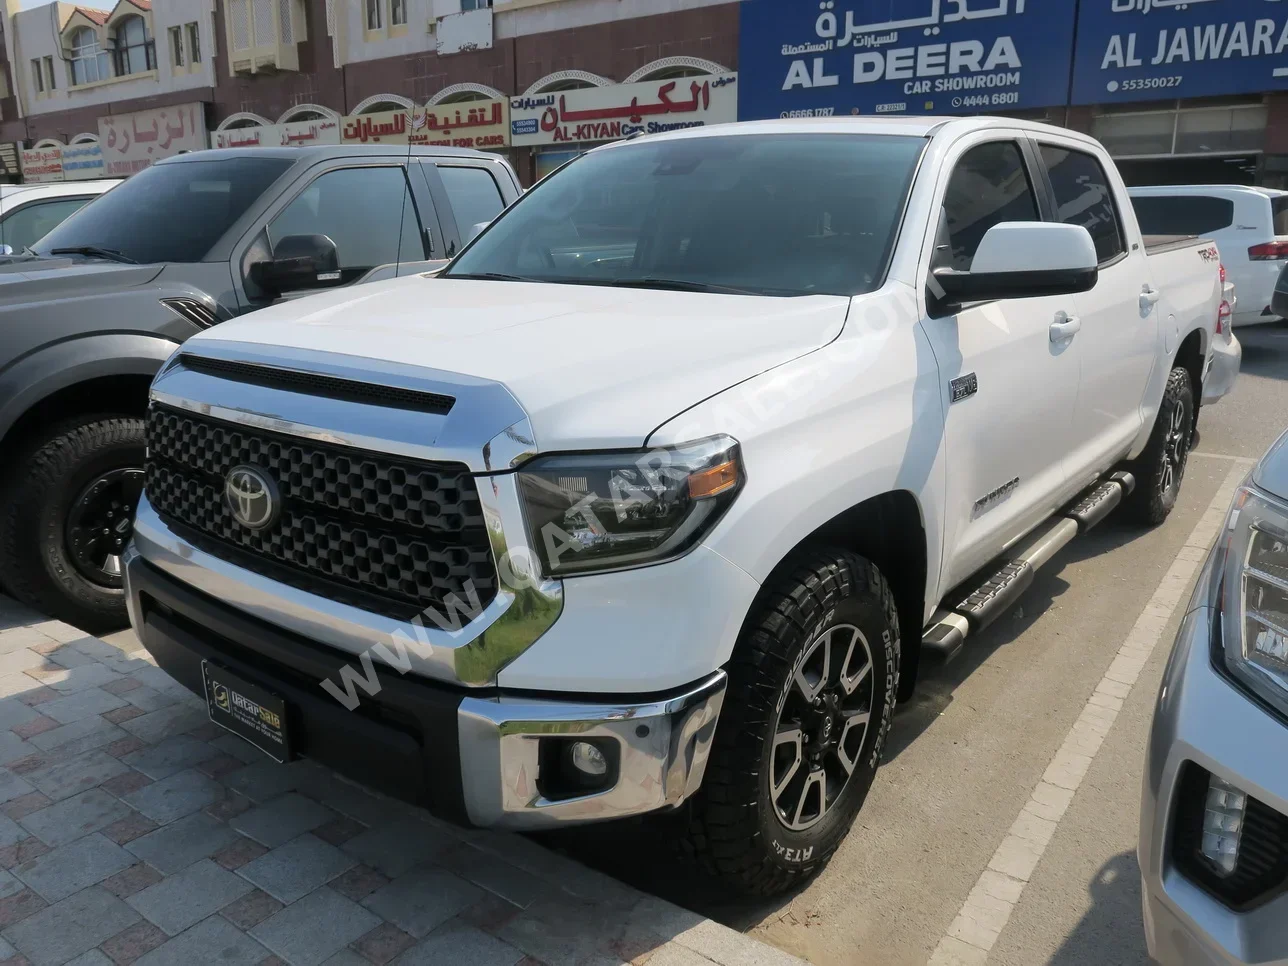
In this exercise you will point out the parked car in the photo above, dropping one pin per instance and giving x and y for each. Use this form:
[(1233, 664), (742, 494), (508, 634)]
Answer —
[(1214, 817), (107, 296), (1249, 226), (30, 211), (1227, 353), (663, 490)]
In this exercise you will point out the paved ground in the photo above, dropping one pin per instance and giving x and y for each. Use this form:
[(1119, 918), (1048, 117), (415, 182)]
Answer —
[(966, 756), (135, 831)]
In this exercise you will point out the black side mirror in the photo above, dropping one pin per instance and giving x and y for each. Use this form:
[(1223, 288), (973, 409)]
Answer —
[(299, 261)]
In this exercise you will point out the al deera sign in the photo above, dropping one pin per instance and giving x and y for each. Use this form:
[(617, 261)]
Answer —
[(607, 113), (1134, 50), (818, 59)]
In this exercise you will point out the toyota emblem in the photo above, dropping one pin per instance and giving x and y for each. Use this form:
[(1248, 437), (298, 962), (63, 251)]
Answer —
[(252, 497)]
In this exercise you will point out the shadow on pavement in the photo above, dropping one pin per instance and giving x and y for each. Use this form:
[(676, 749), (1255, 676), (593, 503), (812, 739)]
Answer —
[(1112, 922)]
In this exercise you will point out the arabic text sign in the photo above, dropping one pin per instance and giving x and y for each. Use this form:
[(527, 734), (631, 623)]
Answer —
[(82, 162), (42, 164), (468, 124), (292, 134), (609, 113), (903, 56), (1133, 50), (131, 142)]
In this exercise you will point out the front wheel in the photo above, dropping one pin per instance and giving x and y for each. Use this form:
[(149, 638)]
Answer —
[(67, 516), (1160, 468), (811, 693)]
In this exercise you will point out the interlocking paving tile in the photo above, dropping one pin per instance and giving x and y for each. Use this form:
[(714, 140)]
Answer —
[(169, 756), (178, 845), (359, 882), (84, 704), (37, 695), (24, 805), (20, 852), (239, 853), (262, 781), (282, 819), (129, 828), (123, 785), (239, 748), (383, 943), (489, 914), (339, 831), (68, 680), (131, 943), (251, 909), (69, 819), (211, 942), (495, 875), (79, 736), (35, 726), (12, 786), (423, 900), (229, 807), (184, 899), (11, 833), (121, 715), (64, 777), (148, 699), (9, 886), (461, 945), (156, 725), (13, 747), (121, 686), (134, 879), (23, 659), (220, 765), (394, 847), (123, 747), (296, 868), (70, 868), (172, 798), (68, 928), (19, 906), (92, 957), (14, 711), (307, 932)]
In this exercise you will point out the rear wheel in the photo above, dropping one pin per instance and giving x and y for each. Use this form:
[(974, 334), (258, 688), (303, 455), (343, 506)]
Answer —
[(67, 517), (811, 692), (1160, 469)]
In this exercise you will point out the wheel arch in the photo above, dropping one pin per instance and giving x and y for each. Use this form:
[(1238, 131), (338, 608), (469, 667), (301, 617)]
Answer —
[(99, 373), (888, 529)]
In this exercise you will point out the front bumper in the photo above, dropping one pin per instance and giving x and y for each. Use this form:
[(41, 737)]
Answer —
[(1202, 718), (472, 756), (1227, 359)]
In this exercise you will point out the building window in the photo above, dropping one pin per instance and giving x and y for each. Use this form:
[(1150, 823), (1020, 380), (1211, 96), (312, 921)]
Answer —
[(374, 21), (37, 78), (475, 4), (397, 13), (194, 43), (49, 74), (135, 52), (176, 47), (90, 63)]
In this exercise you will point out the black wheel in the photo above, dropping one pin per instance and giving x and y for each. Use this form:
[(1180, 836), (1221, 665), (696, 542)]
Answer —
[(1160, 468), (68, 512), (811, 692)]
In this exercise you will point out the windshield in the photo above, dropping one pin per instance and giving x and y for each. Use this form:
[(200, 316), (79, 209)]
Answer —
[(799, 214), (168, 213)]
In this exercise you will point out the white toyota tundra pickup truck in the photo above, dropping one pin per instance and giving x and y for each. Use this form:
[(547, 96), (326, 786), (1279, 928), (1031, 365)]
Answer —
[(659, 496)]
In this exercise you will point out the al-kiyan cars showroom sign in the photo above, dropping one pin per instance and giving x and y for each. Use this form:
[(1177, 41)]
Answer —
[(620, 110), (131, 142)]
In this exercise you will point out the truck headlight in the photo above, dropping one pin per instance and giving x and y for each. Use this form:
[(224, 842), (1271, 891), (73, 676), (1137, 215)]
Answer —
[(1255, 596), (590, 512)]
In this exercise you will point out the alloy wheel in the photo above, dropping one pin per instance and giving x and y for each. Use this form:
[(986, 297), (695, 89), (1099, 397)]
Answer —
[(1175, 450), (100, 523)]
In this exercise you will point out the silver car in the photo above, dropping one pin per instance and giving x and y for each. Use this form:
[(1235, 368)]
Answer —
[(1214, 819)]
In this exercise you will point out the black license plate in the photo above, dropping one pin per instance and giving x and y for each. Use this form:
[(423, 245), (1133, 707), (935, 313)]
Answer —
[(247, 710)]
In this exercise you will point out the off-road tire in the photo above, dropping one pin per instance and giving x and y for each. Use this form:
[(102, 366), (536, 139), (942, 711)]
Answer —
[(35, 496), (732, 825), (1151, 502)]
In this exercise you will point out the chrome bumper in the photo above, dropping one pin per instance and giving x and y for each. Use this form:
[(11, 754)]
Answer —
[(663, 745)]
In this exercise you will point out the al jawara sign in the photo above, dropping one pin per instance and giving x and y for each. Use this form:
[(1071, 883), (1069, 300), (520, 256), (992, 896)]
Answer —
[(131, 142), (621, 110)]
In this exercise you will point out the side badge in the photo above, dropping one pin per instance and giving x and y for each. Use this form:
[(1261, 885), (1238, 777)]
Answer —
[(963, 387)]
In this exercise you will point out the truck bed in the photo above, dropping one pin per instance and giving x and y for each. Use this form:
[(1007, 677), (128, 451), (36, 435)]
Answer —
[(1166, 243)]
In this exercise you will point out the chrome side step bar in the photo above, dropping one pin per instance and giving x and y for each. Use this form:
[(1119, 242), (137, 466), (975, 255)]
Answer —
[(951, 625)]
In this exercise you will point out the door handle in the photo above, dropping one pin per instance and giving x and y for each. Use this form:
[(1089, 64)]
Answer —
[(1065, 327), (1149, 297)]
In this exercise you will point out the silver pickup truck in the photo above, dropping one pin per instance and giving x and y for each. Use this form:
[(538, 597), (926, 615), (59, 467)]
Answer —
[(92, 310)]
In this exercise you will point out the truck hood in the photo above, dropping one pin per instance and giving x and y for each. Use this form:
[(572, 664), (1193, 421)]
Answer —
[(593, 366), (33, 280)]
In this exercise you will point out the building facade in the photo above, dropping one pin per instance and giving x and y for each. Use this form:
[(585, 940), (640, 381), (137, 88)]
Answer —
[(1193, 91)]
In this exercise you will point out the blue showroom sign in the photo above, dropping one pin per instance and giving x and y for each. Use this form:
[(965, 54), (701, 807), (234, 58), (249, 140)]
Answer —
[(817, 58), (1136, 50)]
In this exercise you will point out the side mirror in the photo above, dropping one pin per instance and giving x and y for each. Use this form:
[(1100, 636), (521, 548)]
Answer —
[(299, 261), (475, 229), (1279, 301), (1021, 259)]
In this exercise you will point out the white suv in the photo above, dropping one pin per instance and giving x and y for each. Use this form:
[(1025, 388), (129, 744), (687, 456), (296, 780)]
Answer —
[(1249, 226)]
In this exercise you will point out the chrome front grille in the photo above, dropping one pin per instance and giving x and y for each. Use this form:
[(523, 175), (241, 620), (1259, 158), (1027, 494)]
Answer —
[(391, 535)]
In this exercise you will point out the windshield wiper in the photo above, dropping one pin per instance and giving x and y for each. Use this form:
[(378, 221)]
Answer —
[(679, 285), (493, 277), (111, 254)]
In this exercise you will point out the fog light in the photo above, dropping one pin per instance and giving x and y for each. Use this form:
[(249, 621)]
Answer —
[(588, 759), (1223, 825)]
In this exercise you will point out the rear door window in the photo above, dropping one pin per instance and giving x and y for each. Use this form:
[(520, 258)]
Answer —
[(1083, 197), (1183, 214)]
